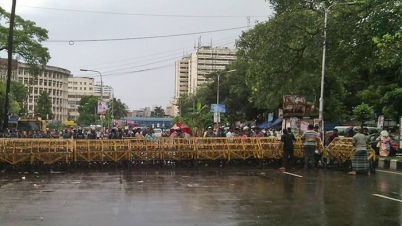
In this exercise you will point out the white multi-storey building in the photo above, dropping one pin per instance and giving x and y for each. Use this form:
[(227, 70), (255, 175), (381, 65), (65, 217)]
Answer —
[(54, 81), (79, 87), (191, 69)]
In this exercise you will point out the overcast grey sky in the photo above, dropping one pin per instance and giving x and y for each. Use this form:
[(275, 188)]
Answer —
[(118, 59)]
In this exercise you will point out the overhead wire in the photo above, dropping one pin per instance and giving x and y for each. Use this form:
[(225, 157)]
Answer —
[(138, 14), (181, 50), (123, 73), (122, 69), (71, 42)]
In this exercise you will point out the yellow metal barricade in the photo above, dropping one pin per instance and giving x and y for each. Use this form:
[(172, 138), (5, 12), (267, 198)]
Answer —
[(211, 148), (14, 150), (341, 148), (272, 148), (178, 148)]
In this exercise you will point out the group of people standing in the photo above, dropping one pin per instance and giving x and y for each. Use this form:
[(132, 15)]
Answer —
[(311, 140)]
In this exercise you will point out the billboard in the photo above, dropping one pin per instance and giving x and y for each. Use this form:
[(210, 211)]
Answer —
[(380, 123), (102, 108), (299, 105), (221, 108)]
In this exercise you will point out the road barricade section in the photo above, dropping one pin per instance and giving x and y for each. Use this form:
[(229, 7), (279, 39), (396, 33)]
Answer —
[(340, 149), (14, 151)]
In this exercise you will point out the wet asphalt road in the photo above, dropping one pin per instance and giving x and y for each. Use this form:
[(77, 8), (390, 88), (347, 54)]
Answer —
[(242, 197)]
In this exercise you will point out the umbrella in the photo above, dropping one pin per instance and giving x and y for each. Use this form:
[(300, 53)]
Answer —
[(184, 127)]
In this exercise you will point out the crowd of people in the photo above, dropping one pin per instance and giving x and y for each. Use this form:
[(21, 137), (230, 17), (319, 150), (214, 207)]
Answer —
[(311, 140)]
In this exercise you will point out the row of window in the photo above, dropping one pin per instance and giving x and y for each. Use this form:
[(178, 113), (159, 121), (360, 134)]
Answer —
[(42, 82), (46, 74), (81, 83), (81, 88)]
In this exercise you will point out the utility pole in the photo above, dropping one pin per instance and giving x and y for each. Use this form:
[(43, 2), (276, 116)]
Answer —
[(10, 64)]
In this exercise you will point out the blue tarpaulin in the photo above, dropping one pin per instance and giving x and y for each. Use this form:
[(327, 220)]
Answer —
[(275, 123)]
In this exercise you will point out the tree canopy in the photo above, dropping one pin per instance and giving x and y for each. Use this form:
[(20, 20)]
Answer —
[(284, 56), (158, 112), (27, 43), (88, 111)]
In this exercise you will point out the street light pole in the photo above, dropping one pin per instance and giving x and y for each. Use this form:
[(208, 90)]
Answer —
[(101, 94), (324, 52)]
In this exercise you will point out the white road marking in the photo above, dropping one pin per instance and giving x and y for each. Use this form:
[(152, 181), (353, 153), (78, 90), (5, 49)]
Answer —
[(384, 171), (385, 197), (295, 175)]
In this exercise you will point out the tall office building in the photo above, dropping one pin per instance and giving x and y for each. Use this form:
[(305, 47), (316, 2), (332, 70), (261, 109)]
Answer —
[(191, 69)]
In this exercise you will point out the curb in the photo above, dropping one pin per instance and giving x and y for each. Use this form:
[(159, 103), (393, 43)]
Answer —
[(390, 163)]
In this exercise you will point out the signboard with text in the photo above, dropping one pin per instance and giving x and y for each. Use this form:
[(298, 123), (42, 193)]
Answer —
[(299, 105), (221, 108)]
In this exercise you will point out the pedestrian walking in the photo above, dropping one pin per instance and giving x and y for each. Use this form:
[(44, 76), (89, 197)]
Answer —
[(360, 160), (287, 140), (310, 138)]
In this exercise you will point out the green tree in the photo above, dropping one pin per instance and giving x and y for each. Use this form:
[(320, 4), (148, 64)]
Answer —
[(43, 106), (392, 102), (362, 113), (17, 97), (27, 41), (120, 109), (88, 111), (158, 112)]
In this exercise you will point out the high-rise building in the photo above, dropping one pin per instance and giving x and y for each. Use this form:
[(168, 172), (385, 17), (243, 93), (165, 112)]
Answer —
[(191, 69)]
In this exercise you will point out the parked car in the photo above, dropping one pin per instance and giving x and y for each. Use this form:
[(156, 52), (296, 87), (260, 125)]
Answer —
[(158, 132), (344, 130), (395, 141)]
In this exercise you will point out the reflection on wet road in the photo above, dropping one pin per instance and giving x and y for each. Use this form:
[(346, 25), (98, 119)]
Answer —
[(242, 197)]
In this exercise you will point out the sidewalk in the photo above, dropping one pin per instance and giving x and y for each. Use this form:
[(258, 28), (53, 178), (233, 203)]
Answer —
[(391, 163)]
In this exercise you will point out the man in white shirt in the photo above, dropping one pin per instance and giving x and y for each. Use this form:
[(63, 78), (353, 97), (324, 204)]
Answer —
[(230, 135)]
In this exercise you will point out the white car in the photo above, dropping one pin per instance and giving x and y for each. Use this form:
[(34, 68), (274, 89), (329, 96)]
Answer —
[(158, 132)]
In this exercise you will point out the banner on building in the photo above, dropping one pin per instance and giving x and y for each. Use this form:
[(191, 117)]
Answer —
[(102, 108), (299, 105), (380, 123), (294, 123), (304, 124), (221, 108)]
